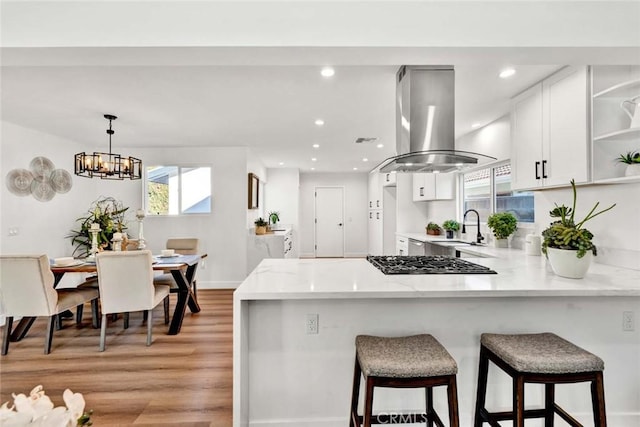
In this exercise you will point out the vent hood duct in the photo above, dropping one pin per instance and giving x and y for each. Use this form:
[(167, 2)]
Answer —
[(425, 140)]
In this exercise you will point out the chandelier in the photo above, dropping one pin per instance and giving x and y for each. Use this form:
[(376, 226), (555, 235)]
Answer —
[(107, 165)]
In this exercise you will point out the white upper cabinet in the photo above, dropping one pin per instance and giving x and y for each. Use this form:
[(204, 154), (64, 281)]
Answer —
[(433, 186), (375, 190), (549, 131), (388, 179)]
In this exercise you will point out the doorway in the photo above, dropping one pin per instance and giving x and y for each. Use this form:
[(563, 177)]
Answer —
[(329, 222)]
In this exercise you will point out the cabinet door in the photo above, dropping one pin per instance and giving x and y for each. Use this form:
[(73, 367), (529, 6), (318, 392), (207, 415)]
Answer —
[(526, 139), (375, 232), (565, 147), (388, 179), (402, 246), (375, 190), (445, 188), (418, 187)]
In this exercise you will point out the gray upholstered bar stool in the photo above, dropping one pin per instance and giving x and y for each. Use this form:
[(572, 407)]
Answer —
[(405, 362), (543, 359)]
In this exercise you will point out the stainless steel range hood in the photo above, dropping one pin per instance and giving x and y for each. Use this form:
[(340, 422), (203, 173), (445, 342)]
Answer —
[(425, 139)]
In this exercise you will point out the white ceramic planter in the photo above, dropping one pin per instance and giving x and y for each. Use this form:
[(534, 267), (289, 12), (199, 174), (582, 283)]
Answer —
[(565, 263), (632, 170), (500, 243)]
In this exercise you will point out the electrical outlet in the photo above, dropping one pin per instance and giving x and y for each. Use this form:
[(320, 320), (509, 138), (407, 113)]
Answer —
[(203, 264), (628, 322), (311, 324)]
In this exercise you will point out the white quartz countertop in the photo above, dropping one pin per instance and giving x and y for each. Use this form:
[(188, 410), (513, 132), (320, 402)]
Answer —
[(517, 275)]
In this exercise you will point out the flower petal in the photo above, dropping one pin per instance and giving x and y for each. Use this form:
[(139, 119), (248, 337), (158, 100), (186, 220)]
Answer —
[(75, 403)]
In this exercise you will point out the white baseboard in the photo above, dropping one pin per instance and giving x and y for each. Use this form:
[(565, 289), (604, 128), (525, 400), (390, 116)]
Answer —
[(218, 284)]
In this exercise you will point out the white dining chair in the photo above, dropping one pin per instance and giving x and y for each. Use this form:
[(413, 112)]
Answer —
[(26, 289), (126, 284), (182, 246)]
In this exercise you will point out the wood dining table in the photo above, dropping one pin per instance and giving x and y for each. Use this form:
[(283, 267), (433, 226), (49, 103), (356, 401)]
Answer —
[(182, 268)]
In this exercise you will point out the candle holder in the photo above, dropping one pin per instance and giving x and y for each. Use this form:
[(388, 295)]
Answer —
[(140, 217), (94, 239)]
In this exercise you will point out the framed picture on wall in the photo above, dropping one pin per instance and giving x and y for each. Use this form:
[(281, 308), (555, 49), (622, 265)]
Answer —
[(254, 190)]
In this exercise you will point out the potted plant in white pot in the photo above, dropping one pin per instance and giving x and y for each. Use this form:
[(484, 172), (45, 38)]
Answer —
[(451, 226), (503, 225), (632, 160), (567, 245), (274, 218)]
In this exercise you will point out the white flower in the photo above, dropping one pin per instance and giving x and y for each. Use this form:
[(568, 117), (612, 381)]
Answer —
[(37, 410)]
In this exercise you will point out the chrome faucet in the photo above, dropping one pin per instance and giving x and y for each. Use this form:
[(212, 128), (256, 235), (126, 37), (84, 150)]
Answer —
[(479, 237)]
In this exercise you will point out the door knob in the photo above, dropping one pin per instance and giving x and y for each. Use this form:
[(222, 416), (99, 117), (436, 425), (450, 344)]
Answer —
[(340, 224)]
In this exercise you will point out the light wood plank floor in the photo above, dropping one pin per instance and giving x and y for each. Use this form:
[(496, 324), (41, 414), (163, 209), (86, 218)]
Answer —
[(180, 380)]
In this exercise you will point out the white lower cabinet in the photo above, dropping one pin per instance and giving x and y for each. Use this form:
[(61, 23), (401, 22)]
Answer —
[(376, 231), (433, 186), (402, 246)]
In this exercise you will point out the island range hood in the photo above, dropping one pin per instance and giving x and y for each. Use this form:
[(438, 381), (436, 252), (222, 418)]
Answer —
[(425, 138)]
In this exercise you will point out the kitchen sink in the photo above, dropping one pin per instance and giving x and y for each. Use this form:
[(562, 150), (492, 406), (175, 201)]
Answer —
[(450, 242)]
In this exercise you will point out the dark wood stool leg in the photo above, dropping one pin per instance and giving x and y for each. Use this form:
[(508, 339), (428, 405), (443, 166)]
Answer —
[(452, 394), (368, 403), (355, 395), (429, 413), (483, 371), (8, 324), (49, 337), (597, 399), (518, 401), (125, 316), (549, 404)]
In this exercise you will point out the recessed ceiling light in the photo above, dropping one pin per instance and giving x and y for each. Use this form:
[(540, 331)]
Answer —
[(313, 169), (476, 125), (319, 122), (380, 145), (313, 159), (327, 72), (436, 171), (507, 72), (355, 169), (365, 160), (281, 163), (316, 145)]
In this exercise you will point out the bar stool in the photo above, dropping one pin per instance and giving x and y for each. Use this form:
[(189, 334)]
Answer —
[(403, 362), (543, 359)]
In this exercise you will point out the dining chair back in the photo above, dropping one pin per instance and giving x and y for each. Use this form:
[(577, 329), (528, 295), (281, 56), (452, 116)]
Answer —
[(184, 245), (126, 284), (26, 290)]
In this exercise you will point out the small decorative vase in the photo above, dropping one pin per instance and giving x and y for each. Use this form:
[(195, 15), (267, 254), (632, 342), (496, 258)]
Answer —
[(449, 234), (500, 243), (632, 169), (433, 232), (565, 263), (261, 229)]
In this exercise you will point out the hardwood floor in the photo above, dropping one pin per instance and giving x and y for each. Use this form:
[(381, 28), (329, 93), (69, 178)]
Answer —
[(181, 380)]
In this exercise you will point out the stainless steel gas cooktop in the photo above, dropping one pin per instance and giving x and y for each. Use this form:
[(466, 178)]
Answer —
[(426, 265)]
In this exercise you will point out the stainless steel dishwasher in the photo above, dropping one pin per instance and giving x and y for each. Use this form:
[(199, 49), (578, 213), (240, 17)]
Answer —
[(416, 247)]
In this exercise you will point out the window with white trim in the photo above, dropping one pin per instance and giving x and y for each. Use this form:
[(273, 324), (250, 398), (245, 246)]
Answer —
[(489, 191), (177, 190)]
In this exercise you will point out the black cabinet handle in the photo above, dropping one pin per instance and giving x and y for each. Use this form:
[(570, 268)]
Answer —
[(370, 215), (388, 177), (537, 172), (377, 203), (370, 204), (544, 172), (421, 191), (377, 215)]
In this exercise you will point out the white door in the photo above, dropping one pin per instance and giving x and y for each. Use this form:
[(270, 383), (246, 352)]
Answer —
[(329, 221)]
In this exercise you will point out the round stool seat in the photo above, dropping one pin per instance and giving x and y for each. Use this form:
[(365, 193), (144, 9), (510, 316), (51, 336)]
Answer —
[(544, 353), (403, 357)]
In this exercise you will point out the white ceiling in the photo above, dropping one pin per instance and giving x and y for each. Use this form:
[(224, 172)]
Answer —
[(270, 109)]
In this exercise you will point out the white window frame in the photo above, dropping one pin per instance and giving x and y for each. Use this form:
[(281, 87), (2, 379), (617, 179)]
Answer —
[(180, 168), (492, 184)]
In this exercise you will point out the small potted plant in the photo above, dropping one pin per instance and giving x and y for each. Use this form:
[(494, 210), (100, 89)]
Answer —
[(632, 160), (274, 217), (261, 226), (567, 244), (451, 226), (433, 229), (503, 225)]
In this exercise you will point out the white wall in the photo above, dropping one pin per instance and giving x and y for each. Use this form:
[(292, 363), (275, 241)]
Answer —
[(282, 195), (43, 226), (615, 232), (356, 210), (493, 140)]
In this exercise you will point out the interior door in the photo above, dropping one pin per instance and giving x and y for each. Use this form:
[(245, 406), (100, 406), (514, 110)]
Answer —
[(329, 209)]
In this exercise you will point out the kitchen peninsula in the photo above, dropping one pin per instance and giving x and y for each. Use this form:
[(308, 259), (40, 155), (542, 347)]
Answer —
[(284, 375)]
